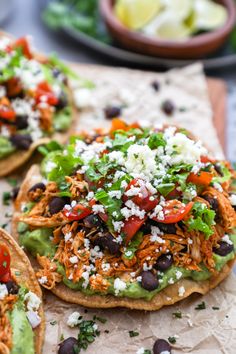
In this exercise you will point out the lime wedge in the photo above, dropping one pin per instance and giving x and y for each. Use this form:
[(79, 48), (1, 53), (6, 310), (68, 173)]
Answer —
[(166, 26), (180, 8), (209, 15), (135, 14)]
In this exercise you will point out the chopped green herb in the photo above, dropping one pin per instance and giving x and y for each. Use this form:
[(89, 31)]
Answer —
[(133, 334), (202, 219), (100, 319), (53, 323), (215, 308), (172, 340), (6, 197), (147, 351), (177, 314), (87, 333), (3, 226), (201, 306), (12, 181), (62, 337)]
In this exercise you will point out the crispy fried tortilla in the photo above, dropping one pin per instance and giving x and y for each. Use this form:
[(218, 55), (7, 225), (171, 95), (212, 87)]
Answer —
[(167, 296), (20, 262)]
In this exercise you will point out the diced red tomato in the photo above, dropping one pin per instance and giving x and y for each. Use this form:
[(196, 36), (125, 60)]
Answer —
[(24, 45), (206, 159), (174, 211), (119, 124), (5, 260), (175, 194), (7, 113), (14, 87), (103, 216), (131, 227), (6, 277), (79, 212), (202, 178), (44, 90), (142, 200)]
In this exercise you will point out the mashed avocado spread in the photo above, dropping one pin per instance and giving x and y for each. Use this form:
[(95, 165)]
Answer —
[(22, 336), (38, 241)]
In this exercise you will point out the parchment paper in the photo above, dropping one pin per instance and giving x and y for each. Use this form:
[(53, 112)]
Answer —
[(199, 332)]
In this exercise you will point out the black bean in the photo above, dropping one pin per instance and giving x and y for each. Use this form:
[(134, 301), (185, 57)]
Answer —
[(166, 228), (213, 202), (149, 281), (155, 85), (57, 204), (146, 228), (164, 262), (168, 107), (107, 241), (21, 141), (161, 345), (223, 249), (14, 192), (92, 221), (22, 121), (68, 346), (36, 186), (62, 101), (112, 112), (12, 287), (218, 169)]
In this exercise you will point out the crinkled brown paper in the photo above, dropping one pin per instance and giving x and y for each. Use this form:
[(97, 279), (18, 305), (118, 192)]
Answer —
[(200, 332)]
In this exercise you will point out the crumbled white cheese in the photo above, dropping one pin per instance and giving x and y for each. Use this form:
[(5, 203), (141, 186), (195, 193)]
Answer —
[(226, 239), (184, 150), (73, 259), (43, 280), (181, 291), (140, 351), (140, 159), (98, 208), (178, 274), (33, 318), (119, 285), (3, 91), (68, 236), (232, 199), (3, 291), (218, 186), (33, 301), (90, 195), (115, 194), (74, 319), (117, 225)]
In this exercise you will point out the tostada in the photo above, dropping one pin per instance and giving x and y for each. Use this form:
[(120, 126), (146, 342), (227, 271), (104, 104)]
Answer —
[(35, 102), (21, 313), (134, 217)]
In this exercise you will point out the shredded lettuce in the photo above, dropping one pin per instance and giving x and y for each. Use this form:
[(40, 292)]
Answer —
[(202, 219)]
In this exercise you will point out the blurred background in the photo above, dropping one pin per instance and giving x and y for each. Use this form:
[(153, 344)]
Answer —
[(143, 34)]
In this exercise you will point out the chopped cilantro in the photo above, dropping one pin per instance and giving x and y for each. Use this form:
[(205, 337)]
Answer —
[(51, 146), (53, 323), (88, 333), (62, 337), (172, 340), (147, 351), (215, 308), (226, 175), (202, 219), (201, 306), (166, 188), (12, 181), (100, 319), (156, 140), (6, 197), (133, 334), (177, 314)]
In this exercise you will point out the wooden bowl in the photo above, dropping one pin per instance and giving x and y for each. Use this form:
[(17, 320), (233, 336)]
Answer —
[(193, 48)]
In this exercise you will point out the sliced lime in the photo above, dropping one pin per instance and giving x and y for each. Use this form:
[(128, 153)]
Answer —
[(135, 14), (209, 15), (180, 8), (167, 26)]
